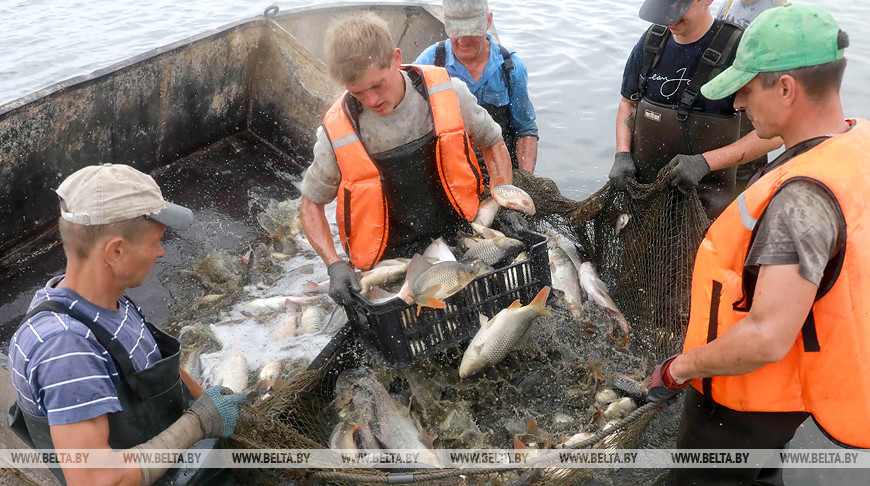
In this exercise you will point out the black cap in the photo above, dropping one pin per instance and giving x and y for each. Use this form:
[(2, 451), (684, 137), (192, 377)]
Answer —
[(664, 12)]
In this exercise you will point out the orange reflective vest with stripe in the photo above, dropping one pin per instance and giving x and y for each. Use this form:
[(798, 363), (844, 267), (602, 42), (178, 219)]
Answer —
[(827, 370), (362, 213)]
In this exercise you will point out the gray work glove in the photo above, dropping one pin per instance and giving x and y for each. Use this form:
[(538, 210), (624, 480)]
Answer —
[(622, 170), (342, 281), (514, 223), (218, 410), (688, 172)]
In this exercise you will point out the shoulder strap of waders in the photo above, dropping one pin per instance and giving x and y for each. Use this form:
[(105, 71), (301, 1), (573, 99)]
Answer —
[(506, 68), (653, 45), (122, 360), (711, 64), (440, 54)]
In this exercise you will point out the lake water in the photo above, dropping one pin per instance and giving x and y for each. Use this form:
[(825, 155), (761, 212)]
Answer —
[(575, 51)]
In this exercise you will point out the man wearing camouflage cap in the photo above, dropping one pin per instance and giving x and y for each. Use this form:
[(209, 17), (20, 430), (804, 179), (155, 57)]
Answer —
[(779, 320), (89, 371)]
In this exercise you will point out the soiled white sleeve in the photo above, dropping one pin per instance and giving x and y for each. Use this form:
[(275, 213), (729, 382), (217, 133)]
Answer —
[(482, 130), (320, 184)]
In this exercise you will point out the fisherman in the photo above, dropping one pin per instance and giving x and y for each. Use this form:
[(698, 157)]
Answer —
[(493, 73), (742, 13), (396, 150), (662, 116), (89, 371), (779, 314)]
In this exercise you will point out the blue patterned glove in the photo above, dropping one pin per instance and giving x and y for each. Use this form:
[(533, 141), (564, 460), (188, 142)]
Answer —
[(218, 410)]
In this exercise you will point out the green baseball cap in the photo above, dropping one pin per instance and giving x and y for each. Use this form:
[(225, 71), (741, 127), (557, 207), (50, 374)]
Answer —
[(781, 38)]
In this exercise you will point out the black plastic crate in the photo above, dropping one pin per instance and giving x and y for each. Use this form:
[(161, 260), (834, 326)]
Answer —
[(402, 337)]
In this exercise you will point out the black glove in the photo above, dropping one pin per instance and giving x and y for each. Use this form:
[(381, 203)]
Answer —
[(663, 388), (342, 281), (622, 170), (688, 172), (513, 223)]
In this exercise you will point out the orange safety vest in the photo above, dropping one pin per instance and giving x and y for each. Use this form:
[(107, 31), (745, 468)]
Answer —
[(827, 370), (362, 213)]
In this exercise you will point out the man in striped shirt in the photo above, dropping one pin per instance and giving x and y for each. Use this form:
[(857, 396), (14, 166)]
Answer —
[(88, 370)]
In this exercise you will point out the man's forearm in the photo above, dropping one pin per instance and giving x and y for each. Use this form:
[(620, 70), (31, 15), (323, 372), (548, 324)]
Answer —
[(317, 230), (527, 152), (498, 164), (747, 149), (182, 434), (625, 124)]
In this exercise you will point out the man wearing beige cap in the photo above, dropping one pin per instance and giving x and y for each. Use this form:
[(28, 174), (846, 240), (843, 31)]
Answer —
[(494, 74), (778, 328), (89, 371)]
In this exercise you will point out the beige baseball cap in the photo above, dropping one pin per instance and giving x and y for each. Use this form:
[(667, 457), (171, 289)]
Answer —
[(109, 193), (465, 17)]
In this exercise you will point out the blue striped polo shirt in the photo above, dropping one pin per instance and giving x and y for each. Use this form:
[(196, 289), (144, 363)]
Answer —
[(60, 370)]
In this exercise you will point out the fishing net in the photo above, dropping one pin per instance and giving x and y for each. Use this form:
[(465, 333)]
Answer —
[(553, 379)]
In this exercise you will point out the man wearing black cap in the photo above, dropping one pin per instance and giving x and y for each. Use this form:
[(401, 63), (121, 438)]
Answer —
[(89, 371), (663, 117)]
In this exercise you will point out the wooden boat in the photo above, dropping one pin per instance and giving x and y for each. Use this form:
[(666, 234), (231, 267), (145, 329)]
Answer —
[(218, 119)]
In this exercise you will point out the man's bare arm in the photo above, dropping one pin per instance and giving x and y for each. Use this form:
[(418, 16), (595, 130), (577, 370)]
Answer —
[(92, 434), (527, 152), (498, 164), (317, 230), (780, 306), (748, 148), (625, 124)]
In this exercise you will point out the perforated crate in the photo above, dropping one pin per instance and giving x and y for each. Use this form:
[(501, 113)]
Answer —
[(402, 337)]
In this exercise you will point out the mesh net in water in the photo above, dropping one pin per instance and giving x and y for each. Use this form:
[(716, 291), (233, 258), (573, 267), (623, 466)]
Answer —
[(647, 265)]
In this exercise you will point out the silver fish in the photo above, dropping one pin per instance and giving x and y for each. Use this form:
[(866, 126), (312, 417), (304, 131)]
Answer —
[(232, 372), (498, 336), (342, 436), (512, 197), (443, 280), (393, 425), (336, 321), (597, 292), (270, 376), (493, 250), (291, 320), (382, 274), (486, 212), (565, 278), (439, 250), (619, 409), (621, 221), (486, 232), (313, 318)]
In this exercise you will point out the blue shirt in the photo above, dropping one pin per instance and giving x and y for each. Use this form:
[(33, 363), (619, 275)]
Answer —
[(490, 88), (673, 72), (60, 370)]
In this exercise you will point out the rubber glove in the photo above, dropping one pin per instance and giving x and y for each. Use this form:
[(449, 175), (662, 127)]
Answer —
[(513, 223), (218, 410), (688, 172), (342, 281), (622, 170), (663, 386)]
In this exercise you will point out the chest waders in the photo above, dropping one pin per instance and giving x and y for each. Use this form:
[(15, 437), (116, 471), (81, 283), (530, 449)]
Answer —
[(501, 114), (419, 209), (663, 131), (152, 399)]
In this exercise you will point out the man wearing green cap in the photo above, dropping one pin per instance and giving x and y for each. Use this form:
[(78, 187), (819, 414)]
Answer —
[(779, 319)]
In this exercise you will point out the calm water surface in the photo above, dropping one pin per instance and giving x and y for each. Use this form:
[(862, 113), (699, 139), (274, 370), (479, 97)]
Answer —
[(575, 51)]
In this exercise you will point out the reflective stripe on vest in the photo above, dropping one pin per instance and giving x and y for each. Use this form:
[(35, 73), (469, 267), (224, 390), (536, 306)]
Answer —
[(831, 380), (362, 213)]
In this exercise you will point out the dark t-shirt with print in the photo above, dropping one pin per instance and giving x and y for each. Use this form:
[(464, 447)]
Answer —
[(673, 72)]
